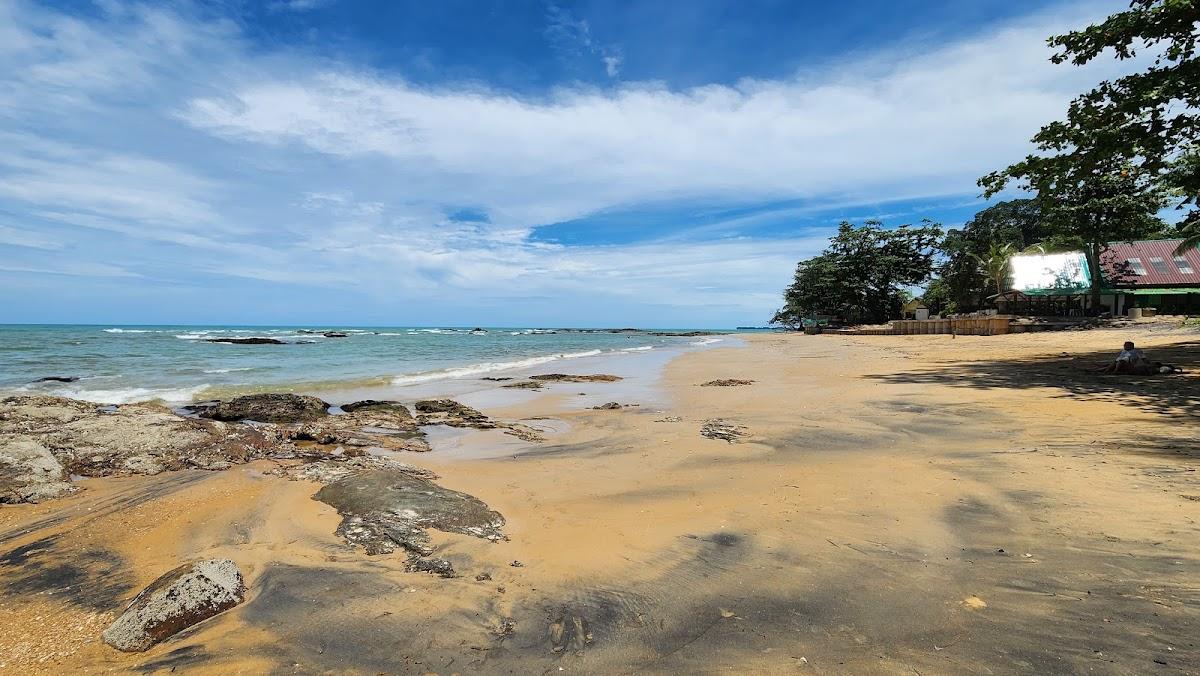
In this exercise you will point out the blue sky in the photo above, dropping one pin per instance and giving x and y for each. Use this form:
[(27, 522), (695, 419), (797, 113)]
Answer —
[(486, 162)]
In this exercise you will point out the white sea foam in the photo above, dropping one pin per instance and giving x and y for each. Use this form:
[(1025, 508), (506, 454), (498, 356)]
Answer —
[(127, 395), (487, 367), (706, 341), (232, 370), (130, 331), (638, 349)]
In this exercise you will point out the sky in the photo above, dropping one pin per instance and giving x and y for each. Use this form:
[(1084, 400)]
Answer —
[(491, 162)]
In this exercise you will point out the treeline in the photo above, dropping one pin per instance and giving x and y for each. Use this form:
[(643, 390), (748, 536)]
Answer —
[(1125, 151)]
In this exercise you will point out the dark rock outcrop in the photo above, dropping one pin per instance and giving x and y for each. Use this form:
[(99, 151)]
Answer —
[(334, 334), (175, 601), (376, 405), (453, 414), (379, 424), (525, 385), (383, 509), (727, 382), (275, 408), (610, 406), (246, 341), (723, 431), (57, 379), (567, 378)]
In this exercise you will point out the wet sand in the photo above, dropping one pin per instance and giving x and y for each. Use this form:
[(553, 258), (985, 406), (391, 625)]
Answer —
[(913, 504)]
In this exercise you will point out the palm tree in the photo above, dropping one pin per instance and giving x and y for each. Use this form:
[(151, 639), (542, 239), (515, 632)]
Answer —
[(994, 264)]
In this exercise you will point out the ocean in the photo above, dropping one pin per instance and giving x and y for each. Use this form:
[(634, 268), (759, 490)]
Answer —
[(178, 364)]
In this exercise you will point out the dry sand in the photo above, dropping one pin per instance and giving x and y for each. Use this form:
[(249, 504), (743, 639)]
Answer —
[(916, 504)]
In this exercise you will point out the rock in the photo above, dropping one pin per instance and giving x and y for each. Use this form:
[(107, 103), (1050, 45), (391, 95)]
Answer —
[(495, 379), (453, 414), (386, 425), (610, 406), (670, 419), (385, 509), (89, 440), (432, 565), (525, 385), (376, 405), (57, 379), (334, 334), (517, 564), (179, 599), (29, 472), (483, 577), (567, 378), (246, 341), (276, 408), (724, 431), (331, 468), (727, 382)]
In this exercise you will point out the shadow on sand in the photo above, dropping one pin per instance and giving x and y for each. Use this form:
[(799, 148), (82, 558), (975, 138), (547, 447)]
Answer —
[(1078, 375)]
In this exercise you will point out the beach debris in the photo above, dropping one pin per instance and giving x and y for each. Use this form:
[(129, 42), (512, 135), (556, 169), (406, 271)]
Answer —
[(483, 577), (974, 603), (383, 509), (175, 601), (525, 385), (57, 379), (506, 627), (91, 441), (722, 430), (670, 419), (246, 341), (727, 382), (517, 564), (29, 472), (273, 408), (567, 378), (610, 406)]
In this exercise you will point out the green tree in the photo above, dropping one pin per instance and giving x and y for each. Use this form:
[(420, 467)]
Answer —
[(961, 285), (994, 264), (863, 275)]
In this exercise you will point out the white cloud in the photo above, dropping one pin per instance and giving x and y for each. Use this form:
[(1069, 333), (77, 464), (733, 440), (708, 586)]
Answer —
[(157, 132)]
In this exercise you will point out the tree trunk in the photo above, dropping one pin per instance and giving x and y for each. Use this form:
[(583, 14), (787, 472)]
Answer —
[(1093, 261)]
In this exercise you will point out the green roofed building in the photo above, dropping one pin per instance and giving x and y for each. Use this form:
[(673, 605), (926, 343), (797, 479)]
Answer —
[(1144, 274)]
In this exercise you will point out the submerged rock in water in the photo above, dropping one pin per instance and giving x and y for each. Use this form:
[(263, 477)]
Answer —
[(275, 408), (451, 409), (727, 382), (246, 341), (179, 599), (610, 406), (389, 508), (568, 378), (89, 440), (57, 379), (334, 334), (29, 472)]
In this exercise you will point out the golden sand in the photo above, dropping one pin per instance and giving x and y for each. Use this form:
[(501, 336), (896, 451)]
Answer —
[(908, 504)]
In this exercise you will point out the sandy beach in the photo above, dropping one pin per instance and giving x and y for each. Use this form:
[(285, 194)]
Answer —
[(898, 504)]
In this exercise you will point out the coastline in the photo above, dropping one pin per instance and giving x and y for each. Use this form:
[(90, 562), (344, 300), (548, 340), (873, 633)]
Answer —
[(908, 502)]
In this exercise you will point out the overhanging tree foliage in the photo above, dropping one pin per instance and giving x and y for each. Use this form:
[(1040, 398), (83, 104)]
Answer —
[(1103, 173), (863, 275)]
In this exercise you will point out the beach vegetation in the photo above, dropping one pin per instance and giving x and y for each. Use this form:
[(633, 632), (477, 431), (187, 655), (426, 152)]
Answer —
[(864, 275), (1126, 149), (962, 284)]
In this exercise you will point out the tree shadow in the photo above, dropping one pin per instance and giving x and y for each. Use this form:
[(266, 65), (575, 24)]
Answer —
[(1079, 376)]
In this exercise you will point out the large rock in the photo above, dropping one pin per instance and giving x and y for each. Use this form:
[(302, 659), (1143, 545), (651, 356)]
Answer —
[(90, 440), (379, 424), (386, 508), (179, 599), (275, 408), (29, 472)]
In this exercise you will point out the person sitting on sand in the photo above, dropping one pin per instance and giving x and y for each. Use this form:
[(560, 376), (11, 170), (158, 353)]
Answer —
[(1130, 361)]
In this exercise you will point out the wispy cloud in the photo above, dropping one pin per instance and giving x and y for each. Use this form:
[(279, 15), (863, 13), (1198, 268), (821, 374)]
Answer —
[(164, 144), (573, 37)]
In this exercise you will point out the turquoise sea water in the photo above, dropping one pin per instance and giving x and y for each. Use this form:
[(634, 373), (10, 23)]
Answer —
[(119, 364)]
